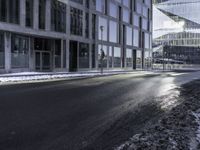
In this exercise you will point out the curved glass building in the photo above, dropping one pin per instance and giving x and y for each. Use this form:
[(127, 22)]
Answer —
[(177, 29)]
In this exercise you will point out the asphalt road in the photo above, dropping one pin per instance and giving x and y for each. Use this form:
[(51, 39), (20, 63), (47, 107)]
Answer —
[(90, 114)]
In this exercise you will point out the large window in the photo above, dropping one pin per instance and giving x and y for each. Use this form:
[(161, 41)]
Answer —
[(135, 37), (29, 13), (2, 55), (83, 55), (3, 10), (100, 5), (144, 24), (76, 26), (113, 36), (14, 11), (126, 15), (103, 22), (57, 54), (147, 42), (42, 9), (126, 3), (129, 36), (9, 11), (19, 51), (58, 16), (117, 57), (136, 20), (113, 10), (139, 7), (129, 58)]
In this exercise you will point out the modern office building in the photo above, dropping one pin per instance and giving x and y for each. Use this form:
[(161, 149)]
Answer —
[(65, 35), (177, 30)]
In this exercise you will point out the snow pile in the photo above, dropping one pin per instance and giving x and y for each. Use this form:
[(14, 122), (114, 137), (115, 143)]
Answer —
[(177, 129)]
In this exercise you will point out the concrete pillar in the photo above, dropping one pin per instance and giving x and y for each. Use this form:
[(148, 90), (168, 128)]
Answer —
[(36, 14), (22, 13), (68, 20), (7, 38), (48, 15)]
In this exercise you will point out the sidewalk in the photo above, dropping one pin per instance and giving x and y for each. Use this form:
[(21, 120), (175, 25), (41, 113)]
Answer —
[(48, 76)]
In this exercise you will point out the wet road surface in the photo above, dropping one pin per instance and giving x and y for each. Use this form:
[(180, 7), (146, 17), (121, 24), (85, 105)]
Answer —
[(96, 113)]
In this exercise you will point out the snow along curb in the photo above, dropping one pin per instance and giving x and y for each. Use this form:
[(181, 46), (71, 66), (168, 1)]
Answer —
[(178, 129)]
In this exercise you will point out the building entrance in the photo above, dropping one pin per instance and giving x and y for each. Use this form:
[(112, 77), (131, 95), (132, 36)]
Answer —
[(43, 54), (42, 61)]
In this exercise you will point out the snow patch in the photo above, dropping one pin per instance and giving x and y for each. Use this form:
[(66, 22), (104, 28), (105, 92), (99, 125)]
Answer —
[(196, 140)]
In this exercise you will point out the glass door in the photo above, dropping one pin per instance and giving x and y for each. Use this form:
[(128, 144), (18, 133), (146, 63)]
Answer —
[(42, 61)]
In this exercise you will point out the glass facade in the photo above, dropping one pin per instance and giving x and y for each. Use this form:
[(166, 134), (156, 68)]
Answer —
[(19, 52), (125, 23), (181, 21)]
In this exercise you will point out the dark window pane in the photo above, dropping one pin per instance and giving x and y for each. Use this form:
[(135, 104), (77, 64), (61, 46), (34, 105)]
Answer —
[(42, 8), (19, 51), (76, 24), (58, 16), (29, 13), (83, 55)]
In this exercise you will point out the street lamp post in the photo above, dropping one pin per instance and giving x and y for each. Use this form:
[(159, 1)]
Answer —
[(101, 57)]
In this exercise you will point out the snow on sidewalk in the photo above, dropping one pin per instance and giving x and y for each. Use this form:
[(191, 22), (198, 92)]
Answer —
[(178, 129), (37, 76)]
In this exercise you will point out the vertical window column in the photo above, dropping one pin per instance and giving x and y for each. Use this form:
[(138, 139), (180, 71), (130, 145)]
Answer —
[(42, 12), (29, 13), (58, 16), (3, 10), (14, 10)]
